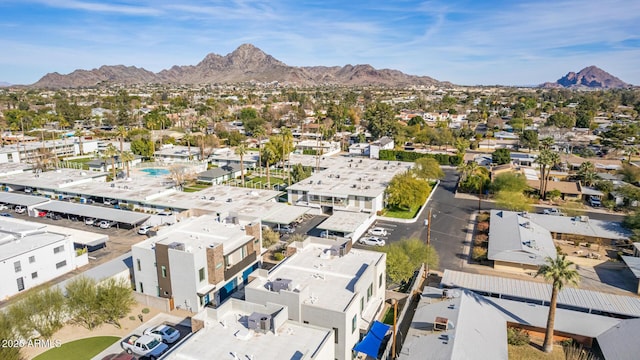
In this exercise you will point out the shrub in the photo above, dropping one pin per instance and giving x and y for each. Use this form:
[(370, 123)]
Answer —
[(482, 226), (517, 337), (132, 317), (573, 352), (479, 254), (483, 217), (480, 240), (278, 256), (145, 310)]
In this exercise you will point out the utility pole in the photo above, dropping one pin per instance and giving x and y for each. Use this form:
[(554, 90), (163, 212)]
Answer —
[(395, 328), (480, 196), (428, 244)]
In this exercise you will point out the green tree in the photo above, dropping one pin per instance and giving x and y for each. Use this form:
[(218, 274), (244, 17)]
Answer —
[(561, 120), (121, 132), (115, 300), (235, 138), (7, 324), (405, 256), (546, 160), (501, 156), (559, 271), (241, 150), (630, 173), (529, 139), (42, 312), (406, 191), (269, 157), (110, 153), (143, 147), (428, 168), (417, 120), (514, 201), (380, 118), (587, 173), (299, 172), (250, 119), (127, 157), (83, 304), (514, 182)]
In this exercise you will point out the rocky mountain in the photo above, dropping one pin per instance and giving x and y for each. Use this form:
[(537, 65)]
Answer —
[(592, 77), (246, 63), (4, 84)]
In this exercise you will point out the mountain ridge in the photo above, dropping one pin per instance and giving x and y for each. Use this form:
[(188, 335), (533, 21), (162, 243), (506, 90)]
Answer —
[(590, 77), (246, 63)]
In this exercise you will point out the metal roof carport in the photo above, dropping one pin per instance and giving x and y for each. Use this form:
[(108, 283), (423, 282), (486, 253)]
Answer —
[(120, 216), (20, 199)]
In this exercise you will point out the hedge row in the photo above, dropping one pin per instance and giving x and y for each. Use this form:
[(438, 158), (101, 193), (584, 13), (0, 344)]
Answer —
[(399, 155)]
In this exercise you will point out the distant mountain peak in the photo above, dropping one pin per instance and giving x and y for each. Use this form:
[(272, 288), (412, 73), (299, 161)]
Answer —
[(246, 63), (591, 77)]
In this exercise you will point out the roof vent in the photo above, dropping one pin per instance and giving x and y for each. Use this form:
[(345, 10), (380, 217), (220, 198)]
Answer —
[(441, 324), (259, 322)]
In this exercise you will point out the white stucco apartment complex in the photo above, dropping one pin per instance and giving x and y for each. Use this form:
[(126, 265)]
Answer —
[(334, 287), (198, 261), (32, 254)]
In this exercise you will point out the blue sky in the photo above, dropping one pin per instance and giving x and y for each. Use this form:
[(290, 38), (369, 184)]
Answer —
[(466, 42)]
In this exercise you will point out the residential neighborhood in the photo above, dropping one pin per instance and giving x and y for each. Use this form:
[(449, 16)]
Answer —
[(271, 222)]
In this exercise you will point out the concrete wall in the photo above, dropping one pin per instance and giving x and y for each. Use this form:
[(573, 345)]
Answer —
[(145, 275), (152, 301), (184, 278)]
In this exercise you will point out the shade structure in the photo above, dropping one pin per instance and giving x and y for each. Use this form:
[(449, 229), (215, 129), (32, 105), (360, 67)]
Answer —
[(370, 344)]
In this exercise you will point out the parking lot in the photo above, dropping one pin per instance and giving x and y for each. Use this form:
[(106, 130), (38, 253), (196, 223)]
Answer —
[(382, 230), (180, 324)]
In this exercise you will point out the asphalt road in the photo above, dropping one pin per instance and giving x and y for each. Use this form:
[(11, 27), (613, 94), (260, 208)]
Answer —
[(449, 221)]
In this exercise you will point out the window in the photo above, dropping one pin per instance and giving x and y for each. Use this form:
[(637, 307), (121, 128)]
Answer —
[(201, 274), (361, 305), (380, 281), (34, 275), (138, 264), (17, 267), (141, 287), (61, 264), (20, 282), (354, 323), (335, 335), (32, 259), (164, 271), (369, 292), (58, 249)]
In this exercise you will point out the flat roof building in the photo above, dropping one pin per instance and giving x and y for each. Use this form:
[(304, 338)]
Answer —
[(326, 285), (243, 330), (198, 261)]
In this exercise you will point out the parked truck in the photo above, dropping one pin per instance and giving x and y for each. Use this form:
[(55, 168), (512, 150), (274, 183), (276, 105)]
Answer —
[(144, 345)]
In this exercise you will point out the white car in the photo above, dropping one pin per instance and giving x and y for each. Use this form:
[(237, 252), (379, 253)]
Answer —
[(20, 209), (378, 231), (144, 229), (106, 224), (4, 207), (164, 333), (372, 241), (552, 211), (89, 221)]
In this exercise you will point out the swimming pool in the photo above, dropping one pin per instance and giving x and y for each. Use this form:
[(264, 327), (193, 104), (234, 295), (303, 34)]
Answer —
[(156, 171)]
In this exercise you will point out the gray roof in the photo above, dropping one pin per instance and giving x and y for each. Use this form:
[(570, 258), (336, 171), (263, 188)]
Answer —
[(344, 221), (621, 341), (219, 172), (474, 324), (121, 216), (20, 199), (617, 305), (515, 238), (103, 271), (634, 264)]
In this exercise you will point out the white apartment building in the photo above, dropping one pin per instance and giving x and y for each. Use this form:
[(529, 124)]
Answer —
[(347, 184), (334, 287), (32, 254), (384, 143), (243, 330), (198, 261), (30, 152)]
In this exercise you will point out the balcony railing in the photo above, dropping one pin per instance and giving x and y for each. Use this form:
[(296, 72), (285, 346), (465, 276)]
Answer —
[(233, 270)]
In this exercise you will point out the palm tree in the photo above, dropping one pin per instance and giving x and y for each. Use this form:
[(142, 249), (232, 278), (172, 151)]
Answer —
[(121, 132), (78, 134), (559, 272), (587, 173), (545, 144), (241, 150), (188, 138), (546, 160), (268, 155), (259, 133), (468, 169), (127, 157), (287, 144), (111, 152)]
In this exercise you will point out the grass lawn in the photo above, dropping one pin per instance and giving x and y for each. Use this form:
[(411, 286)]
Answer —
[(83, 349), (263, 179), (533, 351), (388, 317), (81, 162), (401, 213)]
